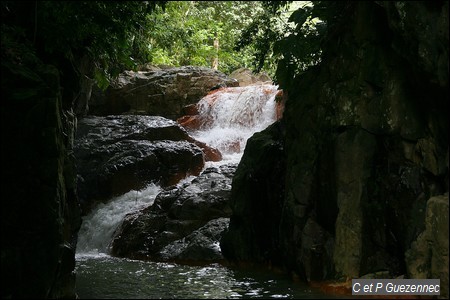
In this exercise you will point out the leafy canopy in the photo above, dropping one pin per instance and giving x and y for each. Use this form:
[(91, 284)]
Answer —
[(111, 33), (185, 31), (287, 36), (262, 35)]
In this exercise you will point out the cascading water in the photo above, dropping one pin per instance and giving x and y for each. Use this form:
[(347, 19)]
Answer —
[(230, 116), (98, 226)]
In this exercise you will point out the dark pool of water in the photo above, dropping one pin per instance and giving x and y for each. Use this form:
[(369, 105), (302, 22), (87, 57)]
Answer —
[(105, 277)]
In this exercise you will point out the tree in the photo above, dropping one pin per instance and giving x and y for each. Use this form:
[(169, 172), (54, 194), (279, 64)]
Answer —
[(200, 33), (287, 36), (108, 32)]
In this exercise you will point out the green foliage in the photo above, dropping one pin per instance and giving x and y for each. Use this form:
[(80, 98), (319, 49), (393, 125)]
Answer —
[(184, 32), (123, 35), (303, 47), (111, 33), (260, 35), (287, 41), (32, 79)]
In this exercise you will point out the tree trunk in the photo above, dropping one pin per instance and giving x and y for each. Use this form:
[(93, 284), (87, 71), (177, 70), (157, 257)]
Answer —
[(215, 61)]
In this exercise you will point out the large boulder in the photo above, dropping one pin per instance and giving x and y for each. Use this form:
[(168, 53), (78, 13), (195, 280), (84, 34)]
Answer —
[(161, 92), (184, 224), (246, 77), (256, 199), (116, 154), (199, 247)]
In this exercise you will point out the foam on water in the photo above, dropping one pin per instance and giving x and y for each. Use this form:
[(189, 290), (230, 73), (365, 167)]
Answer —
[(234, 115), (98, 227)]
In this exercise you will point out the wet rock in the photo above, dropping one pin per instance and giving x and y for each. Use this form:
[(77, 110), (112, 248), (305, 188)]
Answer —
[(257, 194), (235, 109), (201, 246), (116, 154), (177, 225)]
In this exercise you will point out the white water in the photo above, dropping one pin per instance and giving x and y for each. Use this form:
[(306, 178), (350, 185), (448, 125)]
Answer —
[(236, 114), (98, 227)]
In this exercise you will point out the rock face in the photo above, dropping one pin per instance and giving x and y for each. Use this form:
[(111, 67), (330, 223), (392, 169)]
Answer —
[(365, 146), (160, 92), (40, 215), (246, 77), (184, 224), (116, 154), (428, 255), (261, 185)]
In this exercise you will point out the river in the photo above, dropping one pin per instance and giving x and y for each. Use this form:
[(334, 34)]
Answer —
[(106, 277), (236, 114)]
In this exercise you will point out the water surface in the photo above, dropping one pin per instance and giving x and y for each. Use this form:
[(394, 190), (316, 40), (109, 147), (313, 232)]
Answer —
[(233, 115), (106, 277)]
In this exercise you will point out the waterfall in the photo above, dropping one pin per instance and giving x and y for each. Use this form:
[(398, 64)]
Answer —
[(231, 116), (98, 227)]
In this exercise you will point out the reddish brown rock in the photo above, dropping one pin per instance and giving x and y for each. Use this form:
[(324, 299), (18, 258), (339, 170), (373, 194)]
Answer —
[(190, 109), (191, 122), (280, 99), (211, 154)]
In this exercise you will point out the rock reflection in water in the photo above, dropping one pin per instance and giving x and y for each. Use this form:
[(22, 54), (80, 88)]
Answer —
[(115, 278)]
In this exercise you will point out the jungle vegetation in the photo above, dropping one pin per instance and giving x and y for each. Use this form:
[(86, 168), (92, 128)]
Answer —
[(117, 36)]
